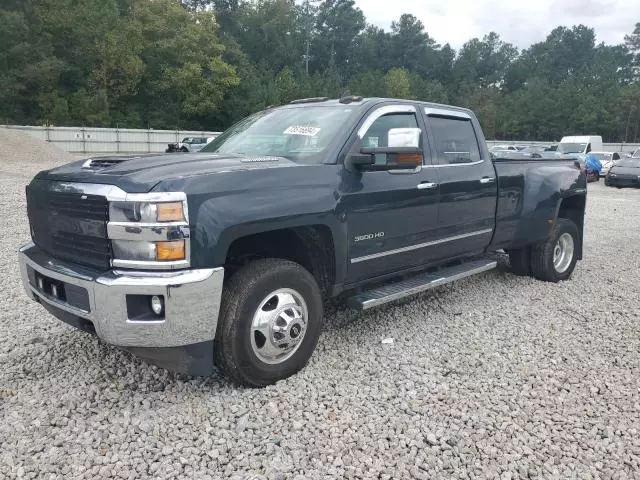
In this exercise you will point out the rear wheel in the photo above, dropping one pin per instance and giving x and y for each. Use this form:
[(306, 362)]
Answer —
[(554, 259), (270, 322)]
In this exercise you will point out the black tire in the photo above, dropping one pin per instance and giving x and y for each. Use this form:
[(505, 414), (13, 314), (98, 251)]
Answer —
[(184, 150), (542, 265), (520, 261), (241, 298)]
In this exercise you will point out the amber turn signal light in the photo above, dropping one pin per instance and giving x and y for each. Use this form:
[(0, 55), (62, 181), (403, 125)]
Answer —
[(167, 251), (170, 212), (415, 159)]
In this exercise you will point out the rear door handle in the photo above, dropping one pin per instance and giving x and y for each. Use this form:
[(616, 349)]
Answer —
[(487, 180), (427, 186)]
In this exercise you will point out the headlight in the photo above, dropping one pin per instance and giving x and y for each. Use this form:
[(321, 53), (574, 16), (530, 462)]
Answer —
[(150, 231), (134, 250), (145, 212)]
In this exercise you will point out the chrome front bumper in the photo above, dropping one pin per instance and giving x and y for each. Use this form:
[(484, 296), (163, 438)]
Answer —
[(191, 300)]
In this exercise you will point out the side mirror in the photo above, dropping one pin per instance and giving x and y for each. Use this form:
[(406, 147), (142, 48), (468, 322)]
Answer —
[(398, 158), (359, 161), (404, 138), (402, 153)]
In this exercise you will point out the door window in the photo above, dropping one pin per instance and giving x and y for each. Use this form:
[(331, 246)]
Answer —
[(455, 140), (378, 134)]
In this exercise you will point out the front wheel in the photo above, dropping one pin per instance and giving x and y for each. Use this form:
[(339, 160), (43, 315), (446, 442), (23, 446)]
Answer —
[(270, 322), (554, 259)]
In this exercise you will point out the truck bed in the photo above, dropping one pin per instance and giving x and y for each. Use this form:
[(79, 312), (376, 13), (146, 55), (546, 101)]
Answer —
[(530, 194)]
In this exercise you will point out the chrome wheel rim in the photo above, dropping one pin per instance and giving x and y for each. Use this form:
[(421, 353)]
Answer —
[(563, 253), (279, 326)]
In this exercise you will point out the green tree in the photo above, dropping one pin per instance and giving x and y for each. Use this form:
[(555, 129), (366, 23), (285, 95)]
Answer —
[(271, 35), (185, 78), (397, 83), (484, 62), (28, 68), (411, 47), (338, 26), (632, 43), (565, 53)]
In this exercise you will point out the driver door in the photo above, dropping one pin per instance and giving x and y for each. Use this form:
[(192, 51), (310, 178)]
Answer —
[(391, 216)]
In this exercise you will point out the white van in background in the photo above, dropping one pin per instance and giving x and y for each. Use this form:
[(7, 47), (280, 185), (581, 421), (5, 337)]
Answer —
[(580, 144)]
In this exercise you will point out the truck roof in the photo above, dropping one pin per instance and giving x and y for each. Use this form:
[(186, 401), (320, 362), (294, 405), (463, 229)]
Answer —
[(372, 101)]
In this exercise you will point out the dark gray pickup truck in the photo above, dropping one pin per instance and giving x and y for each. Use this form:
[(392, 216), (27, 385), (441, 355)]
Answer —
[(225, 256)]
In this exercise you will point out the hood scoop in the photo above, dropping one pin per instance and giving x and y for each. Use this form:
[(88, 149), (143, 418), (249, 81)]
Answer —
[(98, 163), (106, 161)]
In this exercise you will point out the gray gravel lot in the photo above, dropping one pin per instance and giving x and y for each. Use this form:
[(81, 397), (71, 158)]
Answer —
[(493, 377)]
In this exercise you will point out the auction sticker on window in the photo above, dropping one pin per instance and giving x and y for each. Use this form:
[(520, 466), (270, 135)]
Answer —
[(302, 130)]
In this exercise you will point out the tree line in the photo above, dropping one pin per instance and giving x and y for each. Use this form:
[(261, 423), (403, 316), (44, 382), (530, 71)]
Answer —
[(204, 64)]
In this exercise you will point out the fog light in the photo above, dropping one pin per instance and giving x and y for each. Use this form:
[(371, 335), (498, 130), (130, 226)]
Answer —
[(156, 305)]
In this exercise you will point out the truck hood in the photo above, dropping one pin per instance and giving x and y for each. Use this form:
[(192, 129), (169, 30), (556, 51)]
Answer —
[(140, 173)]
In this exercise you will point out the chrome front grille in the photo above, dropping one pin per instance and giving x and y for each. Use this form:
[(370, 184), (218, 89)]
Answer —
[(70, 226)]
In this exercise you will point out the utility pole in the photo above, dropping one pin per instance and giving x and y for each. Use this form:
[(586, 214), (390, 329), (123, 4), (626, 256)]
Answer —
[(309, 20), (306, 57)]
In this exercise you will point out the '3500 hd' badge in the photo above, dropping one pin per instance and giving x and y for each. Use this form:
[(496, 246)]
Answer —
[(369, 236)]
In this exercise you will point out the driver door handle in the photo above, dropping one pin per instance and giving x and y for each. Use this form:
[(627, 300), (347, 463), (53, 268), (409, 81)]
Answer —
[(427, 186), (486, 180)]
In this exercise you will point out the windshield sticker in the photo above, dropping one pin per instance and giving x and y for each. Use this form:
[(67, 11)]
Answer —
[(302, 130)]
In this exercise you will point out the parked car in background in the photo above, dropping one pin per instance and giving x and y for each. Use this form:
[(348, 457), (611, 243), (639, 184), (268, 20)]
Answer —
[(189, 144), (505, 148), (625, 173), (607, 159), (172, 147), (534, 152), (580, 144)]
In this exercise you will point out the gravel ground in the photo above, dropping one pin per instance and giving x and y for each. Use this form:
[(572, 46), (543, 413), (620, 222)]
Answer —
[(493, 377)]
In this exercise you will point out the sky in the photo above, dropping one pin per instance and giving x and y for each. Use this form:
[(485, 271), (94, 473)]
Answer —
[(521, 22)]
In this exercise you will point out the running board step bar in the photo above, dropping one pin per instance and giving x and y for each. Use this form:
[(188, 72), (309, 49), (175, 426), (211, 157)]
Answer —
[(418, 283)]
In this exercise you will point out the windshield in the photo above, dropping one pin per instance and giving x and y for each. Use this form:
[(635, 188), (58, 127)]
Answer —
[(300, 134), (572, 147), (602, 156), (629, 163)]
